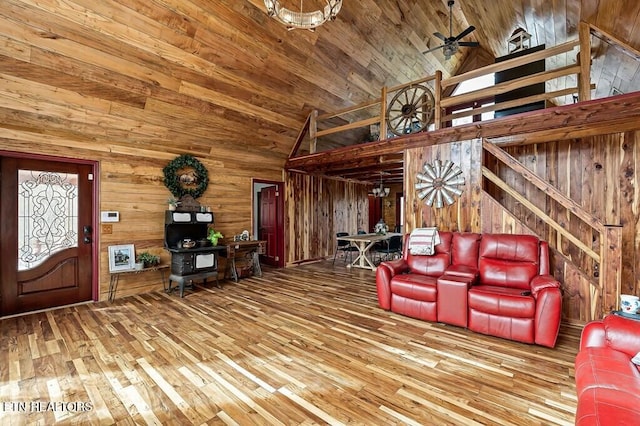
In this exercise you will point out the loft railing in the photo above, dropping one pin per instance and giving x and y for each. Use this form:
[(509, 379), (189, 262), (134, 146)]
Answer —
[(356, 116), (607, 257)]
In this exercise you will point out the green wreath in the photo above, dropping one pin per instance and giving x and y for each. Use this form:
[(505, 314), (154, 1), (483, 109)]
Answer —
[(179, 185)]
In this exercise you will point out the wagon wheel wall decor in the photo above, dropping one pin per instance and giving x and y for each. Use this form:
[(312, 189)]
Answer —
[(410, 110), (439, 184)]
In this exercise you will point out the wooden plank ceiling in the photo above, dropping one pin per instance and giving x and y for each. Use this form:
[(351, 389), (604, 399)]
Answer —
[(211, 75)]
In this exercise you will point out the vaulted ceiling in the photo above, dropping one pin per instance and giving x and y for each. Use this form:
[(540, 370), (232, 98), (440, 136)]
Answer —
[(207, 76)]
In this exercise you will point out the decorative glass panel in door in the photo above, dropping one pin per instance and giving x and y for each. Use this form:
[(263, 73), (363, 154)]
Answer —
[(47, 215)]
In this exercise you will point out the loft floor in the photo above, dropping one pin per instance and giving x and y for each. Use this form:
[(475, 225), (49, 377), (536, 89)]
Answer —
[(305, 345)]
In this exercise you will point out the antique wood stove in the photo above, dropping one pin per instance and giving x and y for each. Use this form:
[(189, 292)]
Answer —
[(192, 257)]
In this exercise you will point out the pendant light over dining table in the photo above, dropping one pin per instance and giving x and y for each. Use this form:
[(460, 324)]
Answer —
[(381, 191), (303, 20)]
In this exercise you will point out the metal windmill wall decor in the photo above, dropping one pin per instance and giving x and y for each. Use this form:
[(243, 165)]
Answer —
[(439, 184)]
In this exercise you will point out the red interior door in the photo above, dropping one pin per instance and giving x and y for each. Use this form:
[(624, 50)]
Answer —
[(45, 234), (375, 212), (268, 224)]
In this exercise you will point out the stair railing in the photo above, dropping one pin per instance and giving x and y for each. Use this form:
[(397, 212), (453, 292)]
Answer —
[(608, 256)]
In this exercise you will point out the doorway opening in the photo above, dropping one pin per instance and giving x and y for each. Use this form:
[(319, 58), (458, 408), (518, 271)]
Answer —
[(268, 220)]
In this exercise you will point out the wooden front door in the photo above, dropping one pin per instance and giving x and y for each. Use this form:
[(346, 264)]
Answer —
[(268, 225), (45, 234)]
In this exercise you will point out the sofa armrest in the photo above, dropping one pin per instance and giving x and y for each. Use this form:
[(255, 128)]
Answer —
[(396, 267), (469, 272), (540, 282), (622, 334), (548, 311), (618, 333), (384, 273), (593, 335)]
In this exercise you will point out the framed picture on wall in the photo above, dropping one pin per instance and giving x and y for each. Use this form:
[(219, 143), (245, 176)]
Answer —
[(121, 258)]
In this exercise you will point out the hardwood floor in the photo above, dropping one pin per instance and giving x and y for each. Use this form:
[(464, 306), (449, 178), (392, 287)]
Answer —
[(304, 345)]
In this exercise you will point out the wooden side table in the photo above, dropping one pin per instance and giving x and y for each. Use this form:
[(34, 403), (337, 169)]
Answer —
[(237, 249), (115, 276), (621, 313)]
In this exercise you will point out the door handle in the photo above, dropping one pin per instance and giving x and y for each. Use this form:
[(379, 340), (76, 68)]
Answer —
[(87, 234)]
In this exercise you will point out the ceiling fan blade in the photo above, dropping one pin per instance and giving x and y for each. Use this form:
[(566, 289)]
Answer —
[(468, 43), (440, 36), (434, 48), (465, 32)]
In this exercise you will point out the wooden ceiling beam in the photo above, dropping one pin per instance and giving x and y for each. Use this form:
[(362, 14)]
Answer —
[(359, 163)]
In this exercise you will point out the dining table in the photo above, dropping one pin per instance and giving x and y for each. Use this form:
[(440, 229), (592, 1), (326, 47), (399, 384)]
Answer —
[(364, 243)]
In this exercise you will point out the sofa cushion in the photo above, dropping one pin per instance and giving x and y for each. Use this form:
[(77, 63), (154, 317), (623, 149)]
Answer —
[(607, 382), (502, 301), (415, 286), (433, 266), (464, 249), (508, 260), (425, 311), (606, 368), (607, 407), (518, 329)]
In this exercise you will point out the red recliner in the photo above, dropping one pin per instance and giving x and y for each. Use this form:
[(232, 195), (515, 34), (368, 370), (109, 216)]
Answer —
[(607, 382), (515, 297), (407, 286), (497, 284)]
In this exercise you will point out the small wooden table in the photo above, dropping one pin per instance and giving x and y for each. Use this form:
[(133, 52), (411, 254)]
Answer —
[(115, 276), (364, 242), (236, 249)]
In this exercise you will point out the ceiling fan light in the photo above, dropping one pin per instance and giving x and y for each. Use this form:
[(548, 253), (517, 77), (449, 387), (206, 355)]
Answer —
[(451, 43)]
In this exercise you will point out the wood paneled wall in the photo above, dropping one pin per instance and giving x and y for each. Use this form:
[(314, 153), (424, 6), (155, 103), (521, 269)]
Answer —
[(464, 214), (317, 209), (597, 172), (133, 185)]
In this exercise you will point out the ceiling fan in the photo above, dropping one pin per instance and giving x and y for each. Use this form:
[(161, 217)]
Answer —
[(452, 43)]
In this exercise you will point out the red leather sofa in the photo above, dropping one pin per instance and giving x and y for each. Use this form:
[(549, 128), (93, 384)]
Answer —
[(496, 284), (607, 382)]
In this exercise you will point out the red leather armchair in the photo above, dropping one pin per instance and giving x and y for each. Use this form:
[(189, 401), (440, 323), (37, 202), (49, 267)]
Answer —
[(515, 296), (607, 382), (408, 285), (497, 284)]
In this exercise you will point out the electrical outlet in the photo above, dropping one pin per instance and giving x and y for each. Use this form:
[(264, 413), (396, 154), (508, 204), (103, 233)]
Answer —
[(107, 229)]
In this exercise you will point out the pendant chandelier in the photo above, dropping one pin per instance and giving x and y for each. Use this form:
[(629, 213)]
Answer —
[(303, 20), (381, 191)]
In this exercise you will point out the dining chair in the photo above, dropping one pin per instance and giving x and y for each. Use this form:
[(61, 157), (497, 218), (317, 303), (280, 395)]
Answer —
[(390, 247), (344, 246)]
